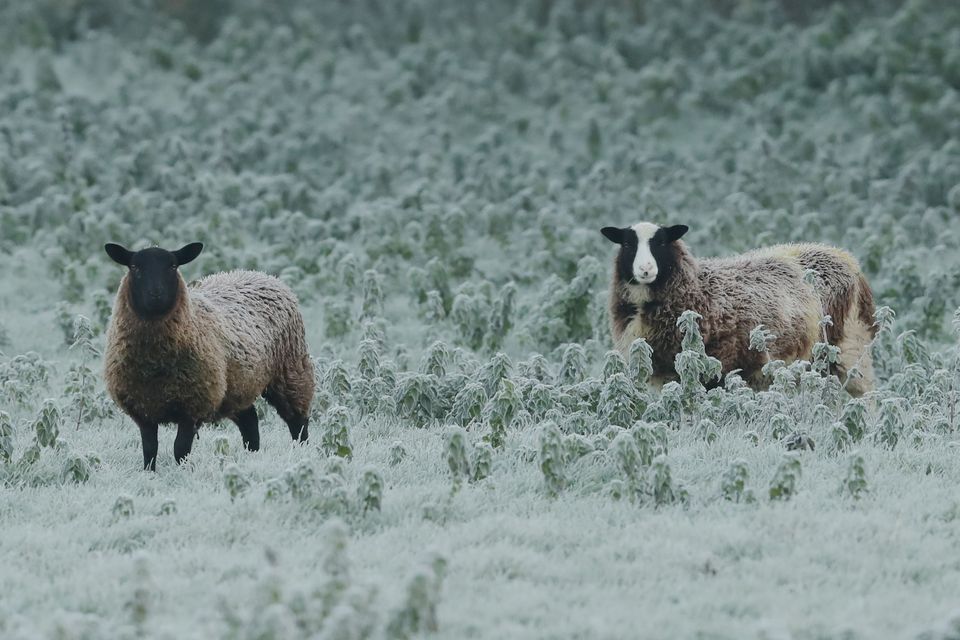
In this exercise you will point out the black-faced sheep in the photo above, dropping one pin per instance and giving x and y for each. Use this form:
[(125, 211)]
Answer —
[(189, 355), (655, 279)]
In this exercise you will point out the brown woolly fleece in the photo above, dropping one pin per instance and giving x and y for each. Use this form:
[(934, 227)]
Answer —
[(736, 294), (231, 338)]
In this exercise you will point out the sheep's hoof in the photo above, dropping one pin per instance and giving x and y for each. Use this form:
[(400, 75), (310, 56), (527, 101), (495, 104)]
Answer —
[(299, 432)]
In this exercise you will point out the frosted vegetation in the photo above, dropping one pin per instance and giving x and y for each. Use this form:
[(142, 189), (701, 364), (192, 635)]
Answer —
[(430, 178)]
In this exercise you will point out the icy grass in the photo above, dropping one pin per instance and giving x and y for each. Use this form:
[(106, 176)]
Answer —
[(561, 525), (430, 179), (520, 564)]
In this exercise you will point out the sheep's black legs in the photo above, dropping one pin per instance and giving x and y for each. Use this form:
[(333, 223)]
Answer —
[(249, 428), (298, 428), (184, 442), (148, 436)]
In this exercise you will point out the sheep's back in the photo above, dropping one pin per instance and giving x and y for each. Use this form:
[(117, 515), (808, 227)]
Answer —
[(843, 292), (755, 278), (768, 284), (758, 288), (260, 323)]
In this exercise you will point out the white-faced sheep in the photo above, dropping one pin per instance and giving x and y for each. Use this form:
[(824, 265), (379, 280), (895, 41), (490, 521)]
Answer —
[(655, 279), (189, 355)]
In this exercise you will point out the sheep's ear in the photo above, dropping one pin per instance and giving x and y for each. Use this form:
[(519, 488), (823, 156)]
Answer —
[(676, 232), (613, 234), (118, 254), (188, 253)]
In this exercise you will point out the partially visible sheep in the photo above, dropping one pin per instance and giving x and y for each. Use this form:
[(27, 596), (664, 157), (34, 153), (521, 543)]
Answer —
[(189, 355), (655, 279)]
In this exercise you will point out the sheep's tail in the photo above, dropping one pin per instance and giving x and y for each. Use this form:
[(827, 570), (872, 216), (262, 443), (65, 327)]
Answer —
[(865, 305)]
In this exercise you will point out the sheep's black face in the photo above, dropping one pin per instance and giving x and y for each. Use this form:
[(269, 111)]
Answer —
[(154, 282), (646, 255)]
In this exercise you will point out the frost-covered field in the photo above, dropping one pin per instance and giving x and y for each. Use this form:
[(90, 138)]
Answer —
[(431, 178)]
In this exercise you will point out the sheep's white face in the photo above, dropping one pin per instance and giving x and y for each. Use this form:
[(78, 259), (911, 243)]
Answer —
[(647, 255), (644, 264)]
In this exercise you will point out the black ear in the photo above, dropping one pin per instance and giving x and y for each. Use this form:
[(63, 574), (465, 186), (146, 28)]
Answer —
[(188, 253), (676, 232), (613, 234), (118, 254)]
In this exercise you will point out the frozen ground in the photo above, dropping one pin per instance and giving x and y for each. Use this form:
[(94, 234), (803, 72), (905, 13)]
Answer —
[(430, 178)]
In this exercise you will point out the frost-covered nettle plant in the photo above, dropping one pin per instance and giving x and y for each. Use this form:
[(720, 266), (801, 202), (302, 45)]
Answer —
[(372, 306), (620, 402), (335, 603), (370, 490), (613, 364), (234, 481), (334, 433), (855, 482), (500, 412), (564, 312), (733, 484), (483, 319), (692, 364), (494, 371), (336, 380), (761, 339), (47, 424), (23, 376), (368, 362), (417, 613), (6, 437), (890, 422), (80, 386), (626, 457), (641, 361), (457, 459), (552, 458), (46, 427), (417, 399), (784, 483), (333, 488), (468, 404), (482, 464)]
